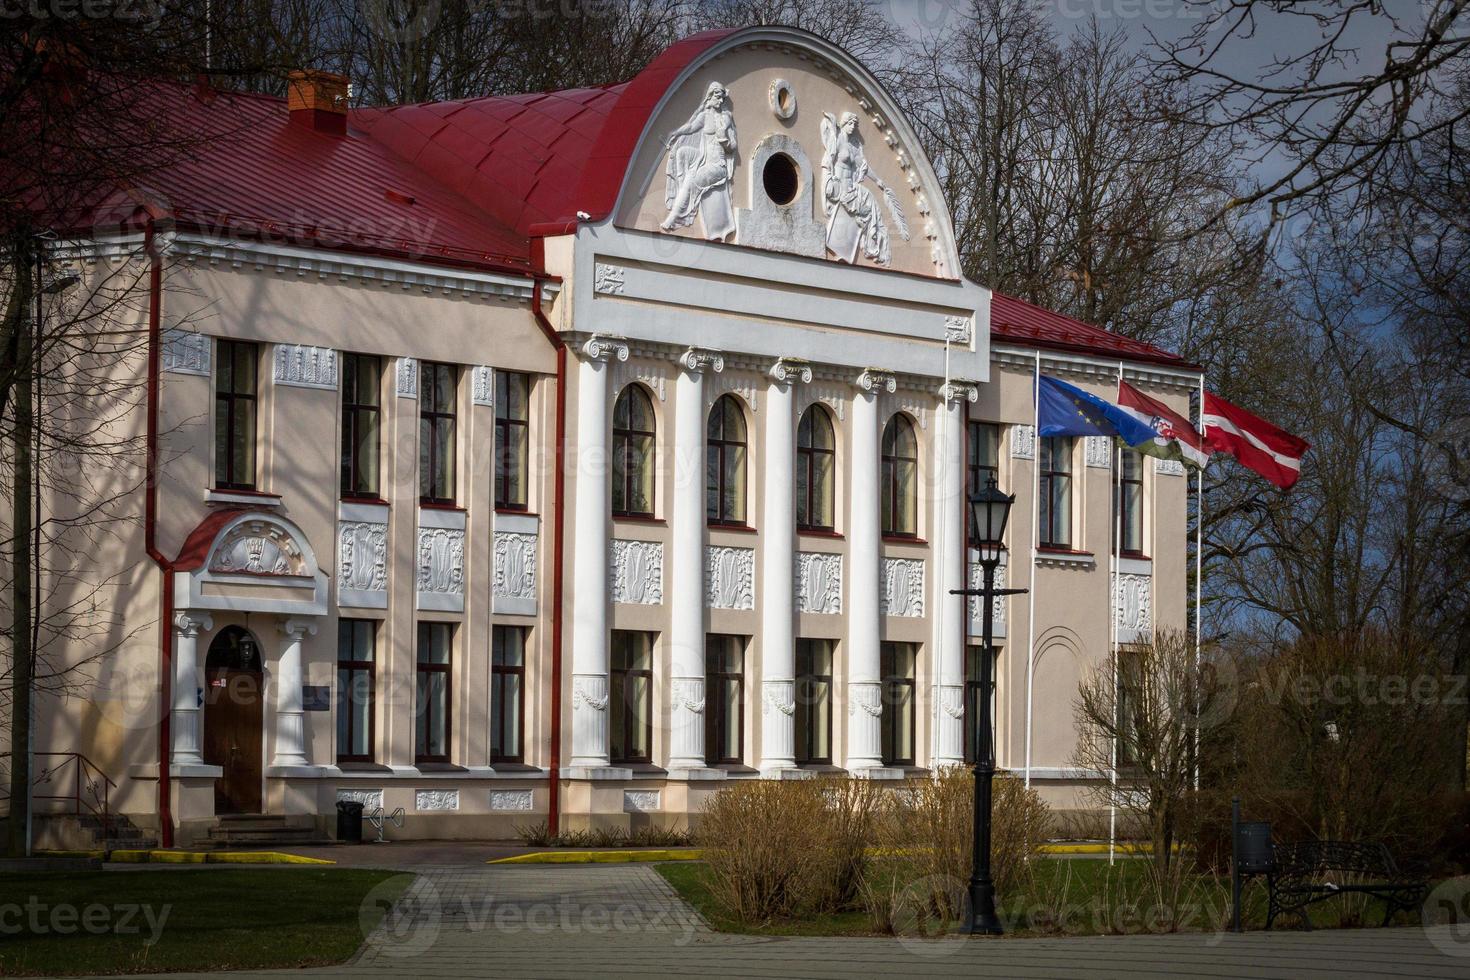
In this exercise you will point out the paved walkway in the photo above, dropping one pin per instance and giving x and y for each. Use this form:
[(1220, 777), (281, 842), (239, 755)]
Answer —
[(583, 921)]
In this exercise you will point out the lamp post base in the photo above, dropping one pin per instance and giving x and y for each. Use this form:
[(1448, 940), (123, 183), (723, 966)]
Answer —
[(983, 920)]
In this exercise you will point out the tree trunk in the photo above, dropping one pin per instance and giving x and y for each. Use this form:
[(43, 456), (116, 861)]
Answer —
[(22, 655)]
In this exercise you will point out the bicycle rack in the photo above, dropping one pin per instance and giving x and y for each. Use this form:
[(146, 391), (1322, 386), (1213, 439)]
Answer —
[(380, 820)]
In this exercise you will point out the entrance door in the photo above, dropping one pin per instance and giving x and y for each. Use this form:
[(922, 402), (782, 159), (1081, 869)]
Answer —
[(233, 716)]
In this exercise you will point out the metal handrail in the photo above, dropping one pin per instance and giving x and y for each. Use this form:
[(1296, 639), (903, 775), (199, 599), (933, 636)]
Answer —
[(87, 781)]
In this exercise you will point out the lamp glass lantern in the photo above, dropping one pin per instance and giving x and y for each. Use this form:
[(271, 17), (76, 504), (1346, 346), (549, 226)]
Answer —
[(990, 510)]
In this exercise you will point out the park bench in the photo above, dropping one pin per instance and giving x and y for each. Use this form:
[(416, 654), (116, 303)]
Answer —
[(1313, 871)]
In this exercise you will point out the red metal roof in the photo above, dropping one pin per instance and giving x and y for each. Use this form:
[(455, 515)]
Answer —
[(1027, 324)]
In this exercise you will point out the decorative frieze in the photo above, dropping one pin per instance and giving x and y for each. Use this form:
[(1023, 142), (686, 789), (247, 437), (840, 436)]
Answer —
[(371, 799), (185, 352), (903, 587), (729, 578), (642, 801), (609, 279), (305, 367), (441, 569), (518, 800), (515, 573), (1133, 606), (482, 385), (818, 583), (637, 572), (362, 564), (436, 799), (652, 374), (407, 377), (1098, 451), (259, 548), (1168, 467), (1023, 441)]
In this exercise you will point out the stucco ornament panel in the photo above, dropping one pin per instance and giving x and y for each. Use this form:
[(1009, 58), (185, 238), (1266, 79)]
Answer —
[(700, 168), (729, 578), (641, 801), (304, 366), (371, 799), (1099, 452), (1133, 605), (185, 352), (1169, 467), (855, 221), (259, 548), (638, 572), (441, 561), (779, 695), (610, 279), (515, 565), (406, 377), (1023, 441), (510, 799), (818, 583), (362, 557), (998, 604), (436, 799), (957, 329), (903, 587), (482, 385)]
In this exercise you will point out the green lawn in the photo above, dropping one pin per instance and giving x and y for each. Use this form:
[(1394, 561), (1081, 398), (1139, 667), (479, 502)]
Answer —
[(107, 922)]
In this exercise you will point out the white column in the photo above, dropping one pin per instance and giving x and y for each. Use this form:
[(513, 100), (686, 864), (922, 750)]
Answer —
[(951, 550), (185, 721), (864, 622), (686, 562), (778, 588), (290, 719), (590, 557)]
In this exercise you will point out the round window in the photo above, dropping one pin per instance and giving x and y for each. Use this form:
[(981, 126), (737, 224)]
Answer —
[(781, 178)]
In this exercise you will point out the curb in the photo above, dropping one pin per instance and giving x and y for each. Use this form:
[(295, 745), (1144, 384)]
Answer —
[(601, 857), (190, 857)]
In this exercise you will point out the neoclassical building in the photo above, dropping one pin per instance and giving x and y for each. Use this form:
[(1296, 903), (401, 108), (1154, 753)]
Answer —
[(569, 456)]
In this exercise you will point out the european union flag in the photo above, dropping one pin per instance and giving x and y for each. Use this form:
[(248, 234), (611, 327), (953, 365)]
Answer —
[(1066, 410)]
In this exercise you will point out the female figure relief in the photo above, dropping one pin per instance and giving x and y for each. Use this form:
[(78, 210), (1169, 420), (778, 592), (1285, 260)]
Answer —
[(854, 219), (700, 166)]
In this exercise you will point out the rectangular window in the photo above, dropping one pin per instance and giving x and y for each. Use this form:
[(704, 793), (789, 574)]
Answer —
[(234, 414), (438, 386), (356, 644), (983, 458), (897, 668), (507, 693), (512, 438), (814, 702), (630, 725), (362, 399), (1130, 706), (1055, 460), (431, 713), (1128, 493), (724, 699), (974, 688)]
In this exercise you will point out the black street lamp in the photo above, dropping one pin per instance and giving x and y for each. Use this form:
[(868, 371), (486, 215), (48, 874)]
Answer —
[(989, 510)]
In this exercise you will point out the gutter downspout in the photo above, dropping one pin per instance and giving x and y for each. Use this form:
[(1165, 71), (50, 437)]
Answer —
[(553, 816), (150, 537)]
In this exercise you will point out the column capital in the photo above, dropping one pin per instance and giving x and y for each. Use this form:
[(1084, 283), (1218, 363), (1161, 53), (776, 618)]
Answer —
[(298, 628), (957, 390), (697, 360), (876, 379), (789, 369), (602, 347), (191, 622)]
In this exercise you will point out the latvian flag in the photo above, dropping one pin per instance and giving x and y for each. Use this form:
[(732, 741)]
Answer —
[(1174, 437), (1256, 443)]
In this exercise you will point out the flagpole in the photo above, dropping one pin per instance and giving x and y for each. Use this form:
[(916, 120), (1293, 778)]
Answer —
[(1035, 537), (1117, 551), (1199, 552)]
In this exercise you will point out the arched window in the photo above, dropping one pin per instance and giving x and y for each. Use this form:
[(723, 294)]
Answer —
[(633, 432), (725, 454), (816, 459), (900, 478)]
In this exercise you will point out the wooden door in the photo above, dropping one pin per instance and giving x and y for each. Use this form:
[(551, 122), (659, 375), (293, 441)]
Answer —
[(232, 737)]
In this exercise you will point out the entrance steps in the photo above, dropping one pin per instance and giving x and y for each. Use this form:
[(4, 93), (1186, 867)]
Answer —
[(256, 829)]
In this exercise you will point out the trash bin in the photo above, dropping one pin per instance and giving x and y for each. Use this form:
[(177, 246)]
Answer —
[(349, 822)]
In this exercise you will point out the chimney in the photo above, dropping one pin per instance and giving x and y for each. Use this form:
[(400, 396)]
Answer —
[(318, 100)]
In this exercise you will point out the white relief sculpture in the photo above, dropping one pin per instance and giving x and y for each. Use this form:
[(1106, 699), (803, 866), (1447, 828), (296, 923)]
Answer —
[(866, 698), (608, 279), (185, 352), (436, 799), (788, 370), (729, 578), (653, 375), (874, 379), (362, 557), (510, 799), (1099, 452), (1168, 467), (1133, 605), (305, 367), (259, 548), (701, 167), (779, 696), (407, 377), (698, 359), (600, 347), (482, 385), (638, 572), (441, 561), (587, 692), (641, 801), (957, 329), (515, 565), (688, 694), (371, 799), (818, 583), (903, 587), (1023, 441), (854, 220), (998, 604)]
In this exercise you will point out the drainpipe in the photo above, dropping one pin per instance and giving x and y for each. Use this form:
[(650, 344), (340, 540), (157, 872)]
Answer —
[(553, 815), (150, 539)]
